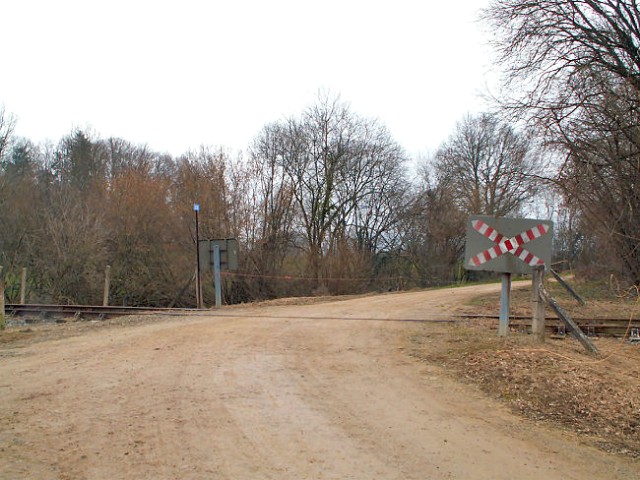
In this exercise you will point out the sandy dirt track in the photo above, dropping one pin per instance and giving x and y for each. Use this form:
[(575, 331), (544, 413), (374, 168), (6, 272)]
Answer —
[(323, 391)]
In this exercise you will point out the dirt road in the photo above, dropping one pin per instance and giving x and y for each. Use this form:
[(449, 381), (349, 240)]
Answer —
[(323, 391)]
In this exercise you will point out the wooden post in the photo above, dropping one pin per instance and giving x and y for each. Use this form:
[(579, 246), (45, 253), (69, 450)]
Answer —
[(2, 319), (107, 280), (537, 303), (568, 288), (573, 326), (23, 285), (505, 301)]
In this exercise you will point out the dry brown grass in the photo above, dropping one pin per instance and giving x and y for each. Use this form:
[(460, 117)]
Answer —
[(554, 382)]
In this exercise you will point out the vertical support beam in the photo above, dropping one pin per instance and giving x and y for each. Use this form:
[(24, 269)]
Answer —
[(537, 303), (23, 286), (216, 275), (2, 318), (107, 285), (505, 301), (199, 302), (198, 289)]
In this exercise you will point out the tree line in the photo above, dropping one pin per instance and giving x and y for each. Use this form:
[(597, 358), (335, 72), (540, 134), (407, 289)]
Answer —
[(321, 203)]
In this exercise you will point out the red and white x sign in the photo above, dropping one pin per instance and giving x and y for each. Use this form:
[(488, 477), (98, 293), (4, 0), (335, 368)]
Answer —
[(512, 245)]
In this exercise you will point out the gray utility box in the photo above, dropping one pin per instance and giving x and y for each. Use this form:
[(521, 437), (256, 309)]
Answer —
[(228, 254), (507, 245)]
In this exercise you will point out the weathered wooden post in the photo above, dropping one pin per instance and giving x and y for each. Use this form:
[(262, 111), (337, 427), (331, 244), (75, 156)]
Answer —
[(537, 303), (107, 284), (23, 286), (568, 288), (2, 319), (568, 321), (505, 305)]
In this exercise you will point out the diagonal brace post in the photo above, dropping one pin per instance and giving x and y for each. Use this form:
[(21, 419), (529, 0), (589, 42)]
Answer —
[(564, 316)]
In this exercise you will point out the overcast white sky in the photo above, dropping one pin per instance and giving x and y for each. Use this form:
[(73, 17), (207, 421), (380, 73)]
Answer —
[(179, 74)]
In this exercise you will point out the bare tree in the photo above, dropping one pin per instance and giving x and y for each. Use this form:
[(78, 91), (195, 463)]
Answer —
[(70, 250), (200, 178), (7, 126), (271, 209), (488, 167), (122, 156), (574, 73), (20, 199), (548, 45), (315, 149), (337, 163), (148, 251), (601, 177), (372, 189), (433, 226)]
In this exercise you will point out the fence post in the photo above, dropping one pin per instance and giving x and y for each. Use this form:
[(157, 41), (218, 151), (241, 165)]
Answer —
[(23, 285), (107, 282)]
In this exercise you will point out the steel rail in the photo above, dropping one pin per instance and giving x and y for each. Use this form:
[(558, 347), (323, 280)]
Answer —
[(593, 326), (86, 310)]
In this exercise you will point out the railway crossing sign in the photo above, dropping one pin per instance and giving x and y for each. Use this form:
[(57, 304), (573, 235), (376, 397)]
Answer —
[(507, 245)]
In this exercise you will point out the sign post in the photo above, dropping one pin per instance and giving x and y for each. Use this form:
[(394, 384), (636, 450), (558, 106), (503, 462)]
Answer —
[(505, 305), (216, 256), (537, 303), (508, 246), (196, 209)]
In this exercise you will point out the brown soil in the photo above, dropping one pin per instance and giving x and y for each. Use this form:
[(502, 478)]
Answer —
[(328, 390)]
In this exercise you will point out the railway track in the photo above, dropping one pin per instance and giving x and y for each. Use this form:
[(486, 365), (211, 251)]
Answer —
[(616, 327), (591, 327), (608, 327), (83, 311)]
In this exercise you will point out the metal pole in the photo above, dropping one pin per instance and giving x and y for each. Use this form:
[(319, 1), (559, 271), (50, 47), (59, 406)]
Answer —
[(505, 300), (196, 208), (216, 274)]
